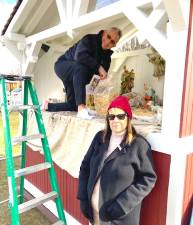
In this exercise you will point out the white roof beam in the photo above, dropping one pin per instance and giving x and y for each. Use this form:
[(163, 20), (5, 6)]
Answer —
[(176, 13), (130, 53), (158, 4), (15, 37), (108, 12), (142, 3), (35, 49), (158, 17), (154, 36), (80, 7), (58, 47), (21, 15), (48, 34), (11, 46), (32, 58), (65, 10), (38, 14), (70, 6), (98, 16), (62, 6)]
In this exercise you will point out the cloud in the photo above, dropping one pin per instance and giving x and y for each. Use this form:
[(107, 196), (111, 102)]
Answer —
[(5, 11)]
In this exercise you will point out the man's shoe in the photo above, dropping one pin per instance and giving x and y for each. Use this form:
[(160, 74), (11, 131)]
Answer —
[(91, 112), (84, 114), (44, 106)]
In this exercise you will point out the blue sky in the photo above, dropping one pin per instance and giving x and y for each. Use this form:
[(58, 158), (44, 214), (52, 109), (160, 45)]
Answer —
[(8, 1)]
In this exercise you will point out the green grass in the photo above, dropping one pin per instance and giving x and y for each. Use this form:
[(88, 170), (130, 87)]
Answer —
[(33, 216), (14, 125)]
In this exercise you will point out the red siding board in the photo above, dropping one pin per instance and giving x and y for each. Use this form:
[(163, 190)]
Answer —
[(67, 185), (186, 126), (154, 206), (188, 191)]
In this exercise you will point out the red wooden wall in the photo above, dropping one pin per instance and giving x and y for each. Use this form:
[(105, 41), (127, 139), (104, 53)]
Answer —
[(154, 206), (67, 185), (186, 126), (188, 192)]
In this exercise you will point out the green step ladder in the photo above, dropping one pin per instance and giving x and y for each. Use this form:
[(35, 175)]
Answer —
[(16, 203)]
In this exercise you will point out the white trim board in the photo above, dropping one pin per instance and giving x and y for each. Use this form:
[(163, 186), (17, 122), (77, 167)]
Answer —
[(49, 205)]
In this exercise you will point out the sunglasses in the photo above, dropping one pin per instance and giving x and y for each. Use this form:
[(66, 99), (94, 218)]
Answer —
[(119, 116), (111, 40)]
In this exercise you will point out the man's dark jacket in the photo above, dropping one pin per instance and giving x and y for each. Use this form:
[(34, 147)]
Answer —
[(88, 52), (126, 177)]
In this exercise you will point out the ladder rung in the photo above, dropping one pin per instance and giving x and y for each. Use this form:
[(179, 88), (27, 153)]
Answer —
[(59, 222), (6, 200), (32, 169), (19, 140), (20, 108), (4, 158), (15, 77), (36, 201)]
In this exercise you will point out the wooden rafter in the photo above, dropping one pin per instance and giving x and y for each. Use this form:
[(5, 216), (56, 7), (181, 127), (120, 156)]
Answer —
[(145, 26), (32, 58), (13, 49), (80, 7), (37, 15), (62, 5), (21, 15), (48, 34), (15, 37), (142, 3), (96, 17), (158, 17), (176, 13)]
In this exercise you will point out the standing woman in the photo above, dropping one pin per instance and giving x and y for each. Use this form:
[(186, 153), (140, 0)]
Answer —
[(117, 171)]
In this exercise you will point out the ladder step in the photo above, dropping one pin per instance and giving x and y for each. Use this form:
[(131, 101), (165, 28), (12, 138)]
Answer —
[(6, 200), (32, 169), (4, 158), (36, 201), (14, 77), (19, 140), (59, 222), (20, 108), (2, 202)]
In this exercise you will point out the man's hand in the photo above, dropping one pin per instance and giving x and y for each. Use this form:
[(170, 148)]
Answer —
[(102, 73)]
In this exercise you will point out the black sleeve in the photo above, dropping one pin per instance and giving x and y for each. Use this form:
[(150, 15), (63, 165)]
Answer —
[(106, 62), (84, 206), (85, 171), (84, 54), (134, 194)]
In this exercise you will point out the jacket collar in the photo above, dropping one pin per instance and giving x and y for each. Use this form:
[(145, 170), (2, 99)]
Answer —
[(120, 150)]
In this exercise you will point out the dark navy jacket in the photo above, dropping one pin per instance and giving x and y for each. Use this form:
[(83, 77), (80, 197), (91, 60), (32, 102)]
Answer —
[(88, 51), (126, 177)]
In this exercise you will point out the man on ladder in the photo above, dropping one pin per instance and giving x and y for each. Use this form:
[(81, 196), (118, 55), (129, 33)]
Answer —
[(19, 206)]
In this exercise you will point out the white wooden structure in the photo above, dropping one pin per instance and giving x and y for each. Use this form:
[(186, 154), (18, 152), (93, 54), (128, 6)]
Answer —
[(164, 23)]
